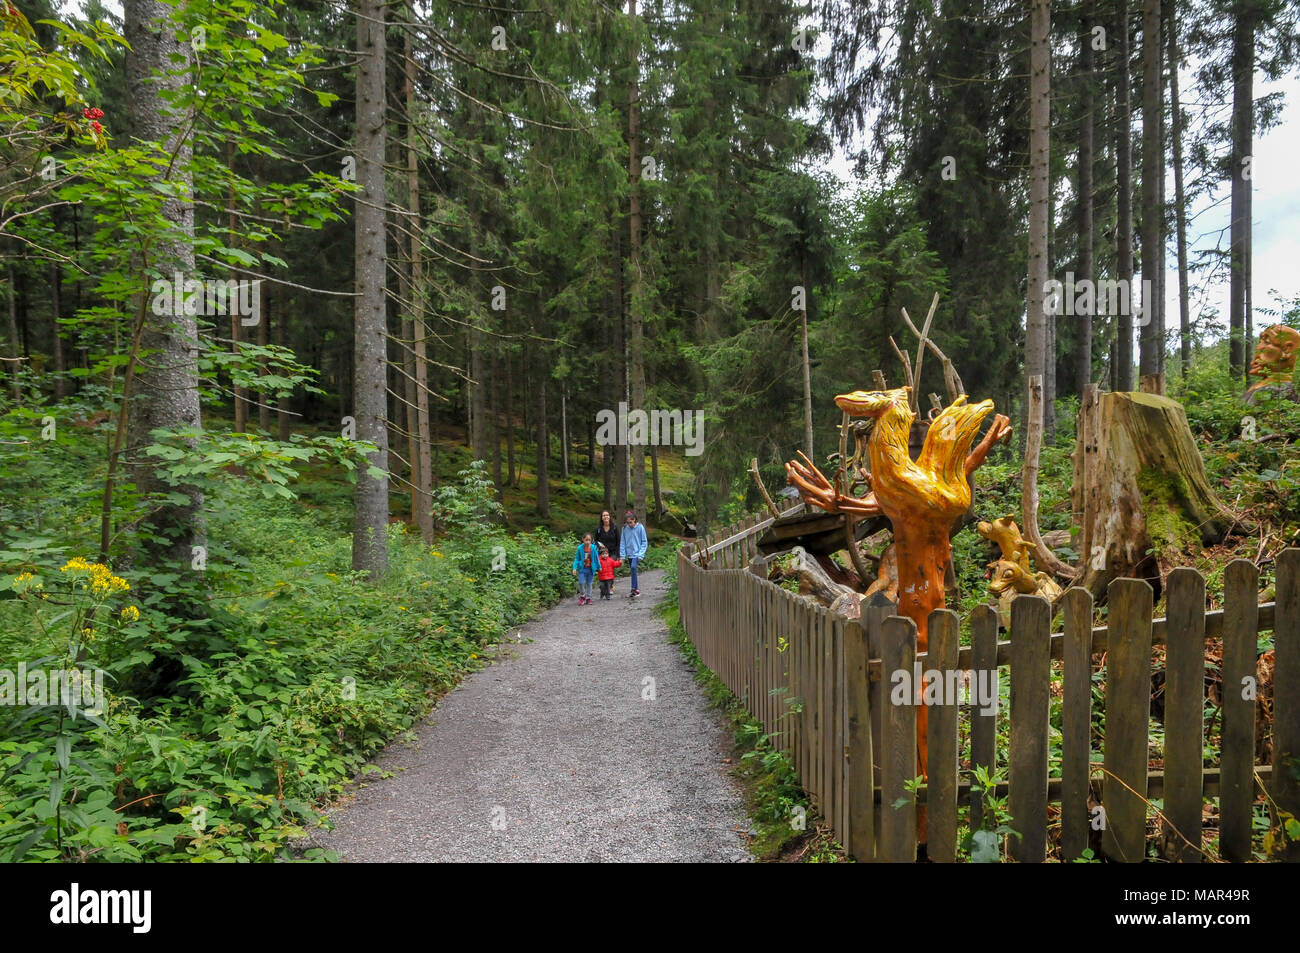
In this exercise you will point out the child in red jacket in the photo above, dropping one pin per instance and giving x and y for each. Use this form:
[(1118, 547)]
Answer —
[(606, 574)]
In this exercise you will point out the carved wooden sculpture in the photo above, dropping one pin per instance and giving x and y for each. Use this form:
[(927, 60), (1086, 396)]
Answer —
[(922, 498), (1274, 361), (1012, 575)]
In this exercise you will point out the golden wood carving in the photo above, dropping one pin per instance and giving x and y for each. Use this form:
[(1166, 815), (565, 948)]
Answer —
[(922, 498)]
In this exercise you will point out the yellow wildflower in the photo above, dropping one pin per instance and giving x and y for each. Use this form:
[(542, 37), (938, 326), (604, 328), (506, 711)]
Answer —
[(102, 580), (24, 577), (131, 614)]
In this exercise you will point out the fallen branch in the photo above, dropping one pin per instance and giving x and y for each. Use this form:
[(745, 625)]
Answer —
[(767, 498)]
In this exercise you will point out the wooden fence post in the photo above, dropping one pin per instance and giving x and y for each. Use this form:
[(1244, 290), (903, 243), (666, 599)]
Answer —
[(1286, 693), (1076, 724), (941, 738), (1236, 764), (1031, 647), (861, 782), (874, 613), (1184, 714), (897, 839), (983, 727), (1128, 713)]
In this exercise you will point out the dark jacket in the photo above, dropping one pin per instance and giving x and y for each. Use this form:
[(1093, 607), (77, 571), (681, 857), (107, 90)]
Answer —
[(609, 538)]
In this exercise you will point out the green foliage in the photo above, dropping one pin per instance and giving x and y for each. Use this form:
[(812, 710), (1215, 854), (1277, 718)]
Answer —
[(295, 671)]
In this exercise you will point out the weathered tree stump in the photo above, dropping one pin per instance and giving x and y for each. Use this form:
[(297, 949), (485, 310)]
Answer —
[(1140, 487)]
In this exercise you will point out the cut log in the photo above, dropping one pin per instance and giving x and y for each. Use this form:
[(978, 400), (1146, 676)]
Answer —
[(813, 579), (1140, 488)]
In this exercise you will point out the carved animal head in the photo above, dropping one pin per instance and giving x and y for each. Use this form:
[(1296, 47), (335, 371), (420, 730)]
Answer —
[(1009, 575), (874, 403)]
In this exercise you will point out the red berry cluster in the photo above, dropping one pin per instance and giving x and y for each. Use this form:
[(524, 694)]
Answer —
[(94, 112)]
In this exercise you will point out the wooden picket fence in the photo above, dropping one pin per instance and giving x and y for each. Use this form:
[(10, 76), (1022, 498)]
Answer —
[(823, 686)]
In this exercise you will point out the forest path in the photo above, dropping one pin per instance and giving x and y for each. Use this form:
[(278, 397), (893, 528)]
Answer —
[(553, 754)]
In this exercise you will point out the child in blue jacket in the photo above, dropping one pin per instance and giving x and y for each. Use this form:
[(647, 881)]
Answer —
[(586, 563), (632, 544)]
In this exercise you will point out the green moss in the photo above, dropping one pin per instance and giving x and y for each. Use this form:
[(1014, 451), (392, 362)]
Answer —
[(1164, 502)]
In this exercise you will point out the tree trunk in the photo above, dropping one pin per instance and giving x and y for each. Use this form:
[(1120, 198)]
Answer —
[(1124, 200), (1049, 321), (636, 306), (421, 460), (1151, 336), (807, 367), (1139, 484), (56, 312), (370, 518), (1039, 147), (12, 311), (512, 475), (654, 470), (264, 339), (620, 360), (1083, 322), (1180, 202), (543, 449), (564, 430), (494, 428), (283, 404), (166, 386), (1243, 76)]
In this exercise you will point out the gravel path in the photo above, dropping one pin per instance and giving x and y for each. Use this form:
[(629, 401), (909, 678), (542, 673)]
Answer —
[(553, 754)]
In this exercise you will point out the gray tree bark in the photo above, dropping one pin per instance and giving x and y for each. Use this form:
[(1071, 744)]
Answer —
[(369, 386), (636, 309), (1083, 322), (166, 384), (1151, 337), (1039, 146), (1243, 95), (1123, 199)]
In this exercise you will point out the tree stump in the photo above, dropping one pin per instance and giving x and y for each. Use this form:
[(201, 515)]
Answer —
[(1140, 488)]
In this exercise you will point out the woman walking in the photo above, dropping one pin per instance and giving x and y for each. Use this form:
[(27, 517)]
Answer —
[(607, 534)]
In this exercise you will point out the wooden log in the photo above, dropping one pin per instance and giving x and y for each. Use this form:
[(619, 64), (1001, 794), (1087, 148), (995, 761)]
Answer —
[(983, 724), (813, 580), (1031, 620), (1184, 715), (1128, 712), (896, 840), (1076, 724), (1237, 741), (941, 805)]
